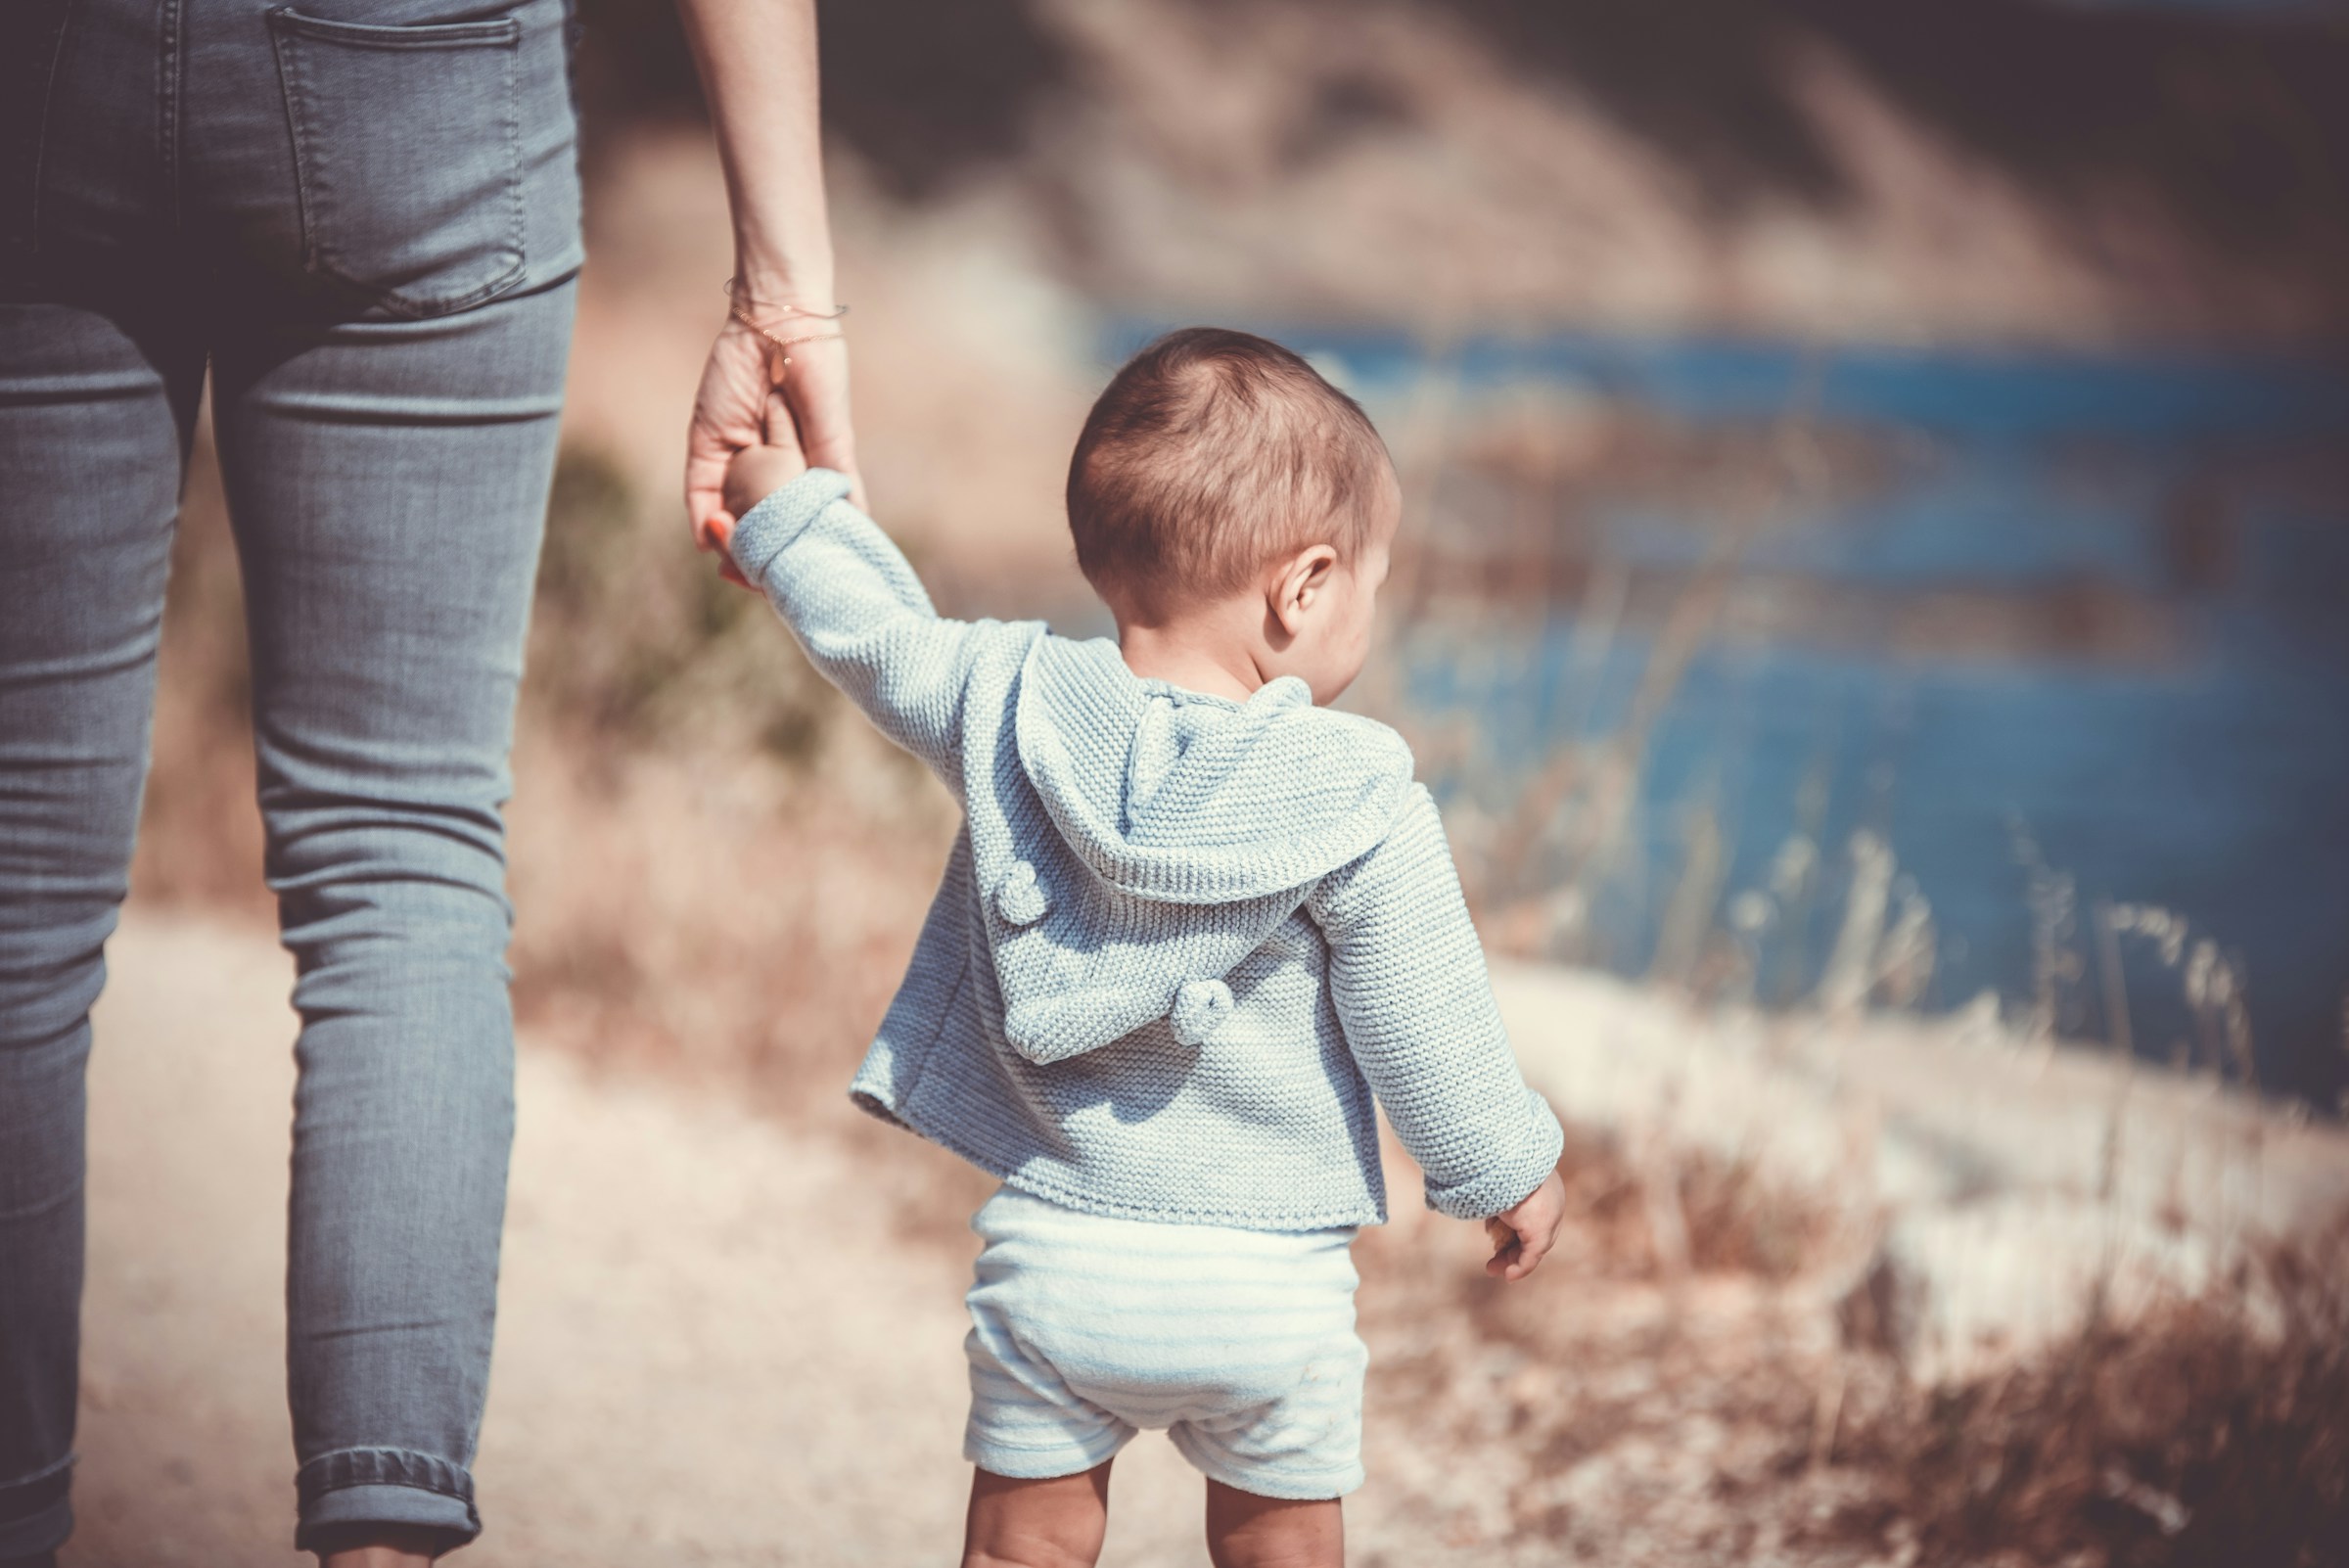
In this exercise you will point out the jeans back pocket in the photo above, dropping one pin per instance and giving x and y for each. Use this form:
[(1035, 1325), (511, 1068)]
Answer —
[(408, 149)]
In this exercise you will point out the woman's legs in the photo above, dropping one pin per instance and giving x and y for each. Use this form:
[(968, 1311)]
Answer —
[(93, 416), (388, 481)]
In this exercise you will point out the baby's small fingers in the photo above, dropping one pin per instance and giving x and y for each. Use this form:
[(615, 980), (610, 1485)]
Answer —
[(1529, 1258)]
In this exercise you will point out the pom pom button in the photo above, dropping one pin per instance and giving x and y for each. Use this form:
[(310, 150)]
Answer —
[(1019, 901), (1200, 1008)]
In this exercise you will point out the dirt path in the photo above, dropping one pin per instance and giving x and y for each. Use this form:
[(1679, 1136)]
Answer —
[(709, 1349), (721, 1343)]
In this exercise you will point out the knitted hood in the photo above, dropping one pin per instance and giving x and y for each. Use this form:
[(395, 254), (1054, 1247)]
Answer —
[(1143, 840)]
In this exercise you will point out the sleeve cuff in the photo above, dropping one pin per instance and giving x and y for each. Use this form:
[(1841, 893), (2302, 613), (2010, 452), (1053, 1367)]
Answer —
[(768, 529), (1499, 1190)]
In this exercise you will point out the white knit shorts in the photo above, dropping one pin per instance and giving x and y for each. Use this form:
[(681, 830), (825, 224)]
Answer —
[(1239, 1343)]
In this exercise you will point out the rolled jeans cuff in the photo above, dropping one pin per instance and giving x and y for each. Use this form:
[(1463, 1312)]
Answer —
[(383, 1487), (37, 1514)]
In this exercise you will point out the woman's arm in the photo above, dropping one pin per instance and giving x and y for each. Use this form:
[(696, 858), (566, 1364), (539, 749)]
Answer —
[(758, 64)]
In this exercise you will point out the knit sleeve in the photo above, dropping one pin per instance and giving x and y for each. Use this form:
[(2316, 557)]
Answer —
[(853, 600), (1408, 976)]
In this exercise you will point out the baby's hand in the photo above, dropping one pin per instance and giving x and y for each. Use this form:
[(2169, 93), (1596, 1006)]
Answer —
[(1523, 1237), (756, 473)]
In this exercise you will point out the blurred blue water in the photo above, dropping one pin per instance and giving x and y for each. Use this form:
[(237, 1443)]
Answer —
[(2210, 778), (1975, 394)]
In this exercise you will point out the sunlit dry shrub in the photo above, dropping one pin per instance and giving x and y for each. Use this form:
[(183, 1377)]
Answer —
[(1677, 1212), (636, 642), (2214, 1433)]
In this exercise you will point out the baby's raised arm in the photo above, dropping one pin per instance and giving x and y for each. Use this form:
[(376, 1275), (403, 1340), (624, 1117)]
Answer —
[(1408, 976), (857, 609)]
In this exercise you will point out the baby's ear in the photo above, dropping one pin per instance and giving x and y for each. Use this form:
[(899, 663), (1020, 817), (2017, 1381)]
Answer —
[(1300, 583)]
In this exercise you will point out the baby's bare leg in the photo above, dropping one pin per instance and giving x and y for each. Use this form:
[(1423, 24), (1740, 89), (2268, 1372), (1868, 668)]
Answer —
[(1057, 1523), (1246, 1531), (390, 1548)]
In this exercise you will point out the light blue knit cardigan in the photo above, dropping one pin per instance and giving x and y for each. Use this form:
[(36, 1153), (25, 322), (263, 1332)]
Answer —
[(1181, 941)]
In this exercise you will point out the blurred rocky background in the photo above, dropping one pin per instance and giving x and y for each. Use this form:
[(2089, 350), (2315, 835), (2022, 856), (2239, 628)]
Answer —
[(1874, 604)]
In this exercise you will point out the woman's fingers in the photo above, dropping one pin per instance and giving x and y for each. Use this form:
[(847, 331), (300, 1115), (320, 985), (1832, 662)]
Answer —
[(817, 389), (777, 425), (704, 481), (727, 415), (719, 529)]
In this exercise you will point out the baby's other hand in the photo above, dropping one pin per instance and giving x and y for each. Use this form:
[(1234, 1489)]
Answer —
[(756, 473), (1523, 1237)]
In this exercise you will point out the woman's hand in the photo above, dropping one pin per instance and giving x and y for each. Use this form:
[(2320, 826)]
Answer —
[(1523, 1237), (729, 413), (741, 405)]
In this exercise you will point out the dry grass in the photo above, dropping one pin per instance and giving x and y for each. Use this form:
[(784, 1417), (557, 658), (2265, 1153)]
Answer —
[(1624, 1405), (1619, 1409), (2216, 1433)]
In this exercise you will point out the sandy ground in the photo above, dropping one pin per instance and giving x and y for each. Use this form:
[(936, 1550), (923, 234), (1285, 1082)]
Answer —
[(723, 1340), (711, 1350)]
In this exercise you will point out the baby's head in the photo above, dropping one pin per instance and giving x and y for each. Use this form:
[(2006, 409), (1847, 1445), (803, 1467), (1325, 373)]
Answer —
[(1224, 496)]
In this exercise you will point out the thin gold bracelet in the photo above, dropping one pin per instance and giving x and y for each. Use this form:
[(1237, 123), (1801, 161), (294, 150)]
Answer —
[(739, 305), (782, 345), (741, 296)]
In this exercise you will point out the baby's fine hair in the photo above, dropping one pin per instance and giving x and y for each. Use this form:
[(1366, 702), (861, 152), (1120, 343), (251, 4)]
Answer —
[(1209, 454)]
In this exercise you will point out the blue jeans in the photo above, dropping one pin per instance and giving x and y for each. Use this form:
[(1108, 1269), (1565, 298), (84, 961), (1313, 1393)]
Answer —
[(362, 218)]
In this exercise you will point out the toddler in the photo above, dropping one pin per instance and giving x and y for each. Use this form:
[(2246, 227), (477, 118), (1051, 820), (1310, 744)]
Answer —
[(1195, 924)]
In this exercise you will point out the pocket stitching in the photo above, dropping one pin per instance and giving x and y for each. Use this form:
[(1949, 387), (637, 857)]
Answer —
[(427, 35), (503, 33), (38, 154)]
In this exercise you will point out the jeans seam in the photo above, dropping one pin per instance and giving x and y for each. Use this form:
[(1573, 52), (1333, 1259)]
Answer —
[(289, 72), (344, 1468), (169, 82), (34, 1478), (40, 134), (517, 230), (44, 1489)]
